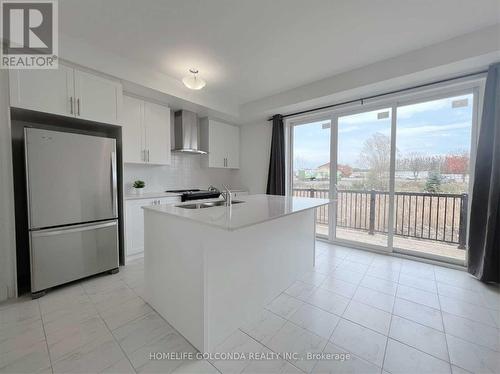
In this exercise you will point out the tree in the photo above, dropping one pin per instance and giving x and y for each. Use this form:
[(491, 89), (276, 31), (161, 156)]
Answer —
[(457, 164), (416, 163), (433, 183), (376, 157)]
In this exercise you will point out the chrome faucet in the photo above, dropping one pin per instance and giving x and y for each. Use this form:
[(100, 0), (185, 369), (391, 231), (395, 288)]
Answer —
[(227, 195)]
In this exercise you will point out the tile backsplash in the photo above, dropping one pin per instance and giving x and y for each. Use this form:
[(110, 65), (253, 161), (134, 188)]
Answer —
[(185, 171)]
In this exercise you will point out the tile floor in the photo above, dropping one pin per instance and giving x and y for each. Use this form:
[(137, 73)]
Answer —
[(391, 315)]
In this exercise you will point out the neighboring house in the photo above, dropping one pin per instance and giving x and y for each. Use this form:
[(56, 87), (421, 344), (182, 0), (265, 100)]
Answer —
[(323, 171), (344, 171)]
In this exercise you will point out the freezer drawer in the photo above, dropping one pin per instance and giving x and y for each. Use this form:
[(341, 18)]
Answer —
[(65, 254)]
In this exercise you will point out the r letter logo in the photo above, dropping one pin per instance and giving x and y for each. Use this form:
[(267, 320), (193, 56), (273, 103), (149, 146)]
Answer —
[(29, 34)]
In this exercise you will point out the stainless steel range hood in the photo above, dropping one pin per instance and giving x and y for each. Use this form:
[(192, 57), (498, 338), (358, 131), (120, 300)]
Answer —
[(186, 132)]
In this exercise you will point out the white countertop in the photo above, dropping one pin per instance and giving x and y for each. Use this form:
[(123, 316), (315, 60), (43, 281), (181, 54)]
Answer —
[(150, 195), (154, 195), (255, 209)]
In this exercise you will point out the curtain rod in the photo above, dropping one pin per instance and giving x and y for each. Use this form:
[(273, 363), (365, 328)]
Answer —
[(382, 94)]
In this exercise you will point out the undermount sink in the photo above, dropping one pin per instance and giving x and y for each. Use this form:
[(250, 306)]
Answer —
[(207, 204)]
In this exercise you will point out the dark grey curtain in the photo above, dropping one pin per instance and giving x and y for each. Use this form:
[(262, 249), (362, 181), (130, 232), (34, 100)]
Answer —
[(276, 175), (484, 235)]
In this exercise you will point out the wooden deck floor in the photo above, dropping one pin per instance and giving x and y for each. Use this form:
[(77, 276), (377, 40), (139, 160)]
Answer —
[(413, 244)]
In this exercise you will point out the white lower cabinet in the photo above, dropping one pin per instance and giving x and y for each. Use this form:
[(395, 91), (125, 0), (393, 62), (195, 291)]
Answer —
[(134, 223)]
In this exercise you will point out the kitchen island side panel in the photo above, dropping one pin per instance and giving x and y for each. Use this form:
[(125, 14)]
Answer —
[(173, 273), (246, 269), (207, 282)]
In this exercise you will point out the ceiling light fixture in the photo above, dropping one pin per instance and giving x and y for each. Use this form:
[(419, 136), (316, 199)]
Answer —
[(193, 81)]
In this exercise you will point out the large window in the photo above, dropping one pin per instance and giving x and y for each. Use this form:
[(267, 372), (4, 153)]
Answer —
[(363, 175), (311, 166), (433, 141), (399, 171)]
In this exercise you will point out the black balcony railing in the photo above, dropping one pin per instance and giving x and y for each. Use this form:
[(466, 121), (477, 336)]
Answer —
[(432, 216)]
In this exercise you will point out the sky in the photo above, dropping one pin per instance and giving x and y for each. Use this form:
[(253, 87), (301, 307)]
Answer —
[(429, 128)]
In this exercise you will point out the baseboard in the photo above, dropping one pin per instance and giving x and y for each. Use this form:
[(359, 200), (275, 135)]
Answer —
[(397, 254), (133, 257), (4, 292)]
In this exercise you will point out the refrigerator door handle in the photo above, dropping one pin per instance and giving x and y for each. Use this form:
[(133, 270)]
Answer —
[(77, 228), (114, 187)]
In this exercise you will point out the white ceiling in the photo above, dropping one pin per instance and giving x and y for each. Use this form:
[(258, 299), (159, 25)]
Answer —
[(250, 49)]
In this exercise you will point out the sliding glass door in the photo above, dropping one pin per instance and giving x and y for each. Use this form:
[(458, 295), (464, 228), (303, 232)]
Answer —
[(432, 178), (363, 147), (399, 172), (310, 171)]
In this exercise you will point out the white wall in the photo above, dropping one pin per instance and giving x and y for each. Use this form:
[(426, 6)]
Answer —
[(185, 171), (255, 141), (7, 229), (463, 54)]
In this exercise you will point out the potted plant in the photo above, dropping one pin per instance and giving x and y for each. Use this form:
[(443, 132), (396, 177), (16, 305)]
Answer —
[(139, 186)]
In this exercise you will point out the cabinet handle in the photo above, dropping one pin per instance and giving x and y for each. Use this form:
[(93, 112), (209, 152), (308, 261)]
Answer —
[(148, 154), (78, 105), (71, 105)]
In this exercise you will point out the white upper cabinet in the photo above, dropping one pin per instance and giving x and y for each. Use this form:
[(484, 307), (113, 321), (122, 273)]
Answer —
[(97, 98), (222, 142), (233, 147), (66, 91), (50, 91), (132, 131), (145, 132), (157, 130)]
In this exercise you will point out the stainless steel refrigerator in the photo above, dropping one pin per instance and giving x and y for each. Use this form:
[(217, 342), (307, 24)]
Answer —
[(72, 206)]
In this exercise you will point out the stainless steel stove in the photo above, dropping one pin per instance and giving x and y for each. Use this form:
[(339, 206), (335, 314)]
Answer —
[(196, 194)]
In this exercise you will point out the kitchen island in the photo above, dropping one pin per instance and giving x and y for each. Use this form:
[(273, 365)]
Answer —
[(209, 269)]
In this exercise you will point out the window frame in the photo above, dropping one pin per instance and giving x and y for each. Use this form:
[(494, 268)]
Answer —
[(470, 85)]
